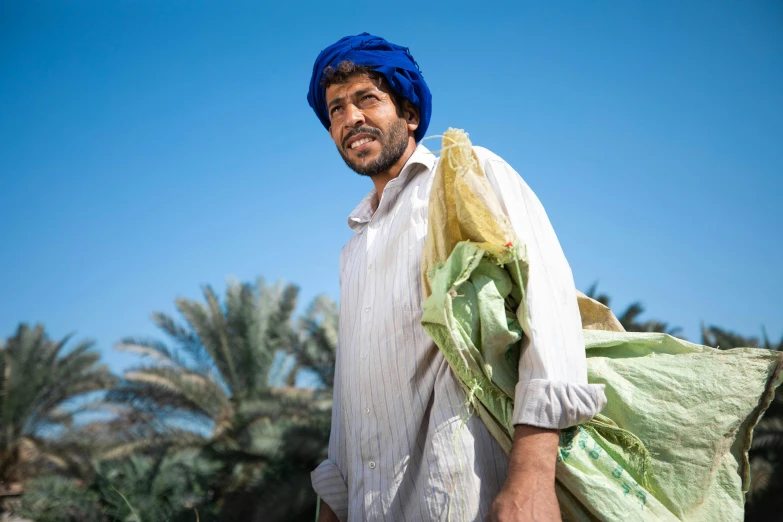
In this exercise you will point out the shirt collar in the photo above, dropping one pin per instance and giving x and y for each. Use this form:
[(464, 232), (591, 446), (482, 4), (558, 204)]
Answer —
[(362, 214)]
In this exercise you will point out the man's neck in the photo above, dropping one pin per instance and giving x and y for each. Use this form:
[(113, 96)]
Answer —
[(381, 180)]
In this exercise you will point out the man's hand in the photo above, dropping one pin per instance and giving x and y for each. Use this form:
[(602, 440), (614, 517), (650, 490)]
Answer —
[(326, 514), (529, 491)]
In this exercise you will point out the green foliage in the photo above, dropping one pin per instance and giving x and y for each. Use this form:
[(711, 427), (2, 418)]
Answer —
[(222, 355), (60, 499), (317, 349), (725, 340), (164, 487), (284, 492), (629, 317), (198, 433), (766, 456), (213, 386), (766, 469), (159, 488), (41, 382)]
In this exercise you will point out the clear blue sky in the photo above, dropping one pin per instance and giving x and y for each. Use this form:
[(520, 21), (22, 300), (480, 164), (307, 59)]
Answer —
[(147, 148)]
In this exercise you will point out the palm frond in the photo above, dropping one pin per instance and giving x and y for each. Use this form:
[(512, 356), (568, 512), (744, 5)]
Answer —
[(768, 435), (762, 475), (59, 499), (725, 339), (592, 293), (629, 316), (40, 384), (198, 391), (155, 350)]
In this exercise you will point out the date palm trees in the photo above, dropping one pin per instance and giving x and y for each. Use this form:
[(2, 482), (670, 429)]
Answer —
[(766, 451), (43, 385), (629, 318), (212, 385)]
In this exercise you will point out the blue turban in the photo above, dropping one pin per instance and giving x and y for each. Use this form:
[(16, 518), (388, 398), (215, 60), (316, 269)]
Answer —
[(395, 63)]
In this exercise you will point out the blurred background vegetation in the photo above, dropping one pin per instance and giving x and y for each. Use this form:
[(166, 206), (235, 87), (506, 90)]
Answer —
[(208, 425)]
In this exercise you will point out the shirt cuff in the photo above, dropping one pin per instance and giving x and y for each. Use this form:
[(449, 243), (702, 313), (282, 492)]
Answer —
[(556, 405), (329, 484)]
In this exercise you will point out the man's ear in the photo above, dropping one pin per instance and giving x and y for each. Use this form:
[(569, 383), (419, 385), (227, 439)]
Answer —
[(411, 114)]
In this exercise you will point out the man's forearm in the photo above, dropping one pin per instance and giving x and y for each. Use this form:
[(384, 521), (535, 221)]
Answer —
[(533, 454), (528, 494), (326, 514)]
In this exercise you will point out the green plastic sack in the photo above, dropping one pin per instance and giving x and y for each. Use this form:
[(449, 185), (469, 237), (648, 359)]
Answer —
[(671, 443)]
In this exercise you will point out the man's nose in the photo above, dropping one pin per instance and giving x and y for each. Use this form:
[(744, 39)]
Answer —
[(353, 116)]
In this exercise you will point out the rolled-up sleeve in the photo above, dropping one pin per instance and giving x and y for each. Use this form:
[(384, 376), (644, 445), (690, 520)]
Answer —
[(552, 391), (329, 484), (328, 481)]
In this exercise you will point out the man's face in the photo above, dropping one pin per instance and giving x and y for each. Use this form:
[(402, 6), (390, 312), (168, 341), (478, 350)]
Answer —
[(370, 131)]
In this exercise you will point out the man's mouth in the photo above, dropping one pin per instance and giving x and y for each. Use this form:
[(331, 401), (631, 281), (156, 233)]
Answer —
[(360, 142)]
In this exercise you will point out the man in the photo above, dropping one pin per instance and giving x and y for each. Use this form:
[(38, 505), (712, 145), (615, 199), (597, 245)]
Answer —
[(401, 446)]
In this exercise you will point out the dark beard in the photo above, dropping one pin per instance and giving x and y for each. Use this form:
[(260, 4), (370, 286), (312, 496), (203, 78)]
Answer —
[(393, 145)]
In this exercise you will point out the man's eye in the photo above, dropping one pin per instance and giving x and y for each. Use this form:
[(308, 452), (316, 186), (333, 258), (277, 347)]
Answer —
[(370, 96), (334, 110)]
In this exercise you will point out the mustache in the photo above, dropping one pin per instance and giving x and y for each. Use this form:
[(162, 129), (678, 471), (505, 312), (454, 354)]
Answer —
[(362, 130)]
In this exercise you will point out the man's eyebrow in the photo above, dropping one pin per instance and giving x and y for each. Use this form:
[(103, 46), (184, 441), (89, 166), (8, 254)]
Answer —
[(362, 92), (356, 94)]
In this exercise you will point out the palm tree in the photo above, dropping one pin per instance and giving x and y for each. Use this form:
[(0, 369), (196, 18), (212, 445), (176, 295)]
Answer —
[(55, 498), (44, 386), (592, 293), (114, 478), (163, 487), (718, 337), (766, 452), (317, 348), (629, 317), (214, 383)]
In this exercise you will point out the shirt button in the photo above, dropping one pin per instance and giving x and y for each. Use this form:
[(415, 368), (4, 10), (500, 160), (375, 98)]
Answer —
[(364, 356), (367, 309), (367, 411), (369, 267), (371, 464)]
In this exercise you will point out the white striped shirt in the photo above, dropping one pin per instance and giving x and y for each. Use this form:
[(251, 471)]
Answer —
[(402, 447)]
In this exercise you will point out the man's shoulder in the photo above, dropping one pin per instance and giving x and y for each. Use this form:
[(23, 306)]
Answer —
[(485, 155), (502, 176), (495, 166), (490, 161)]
